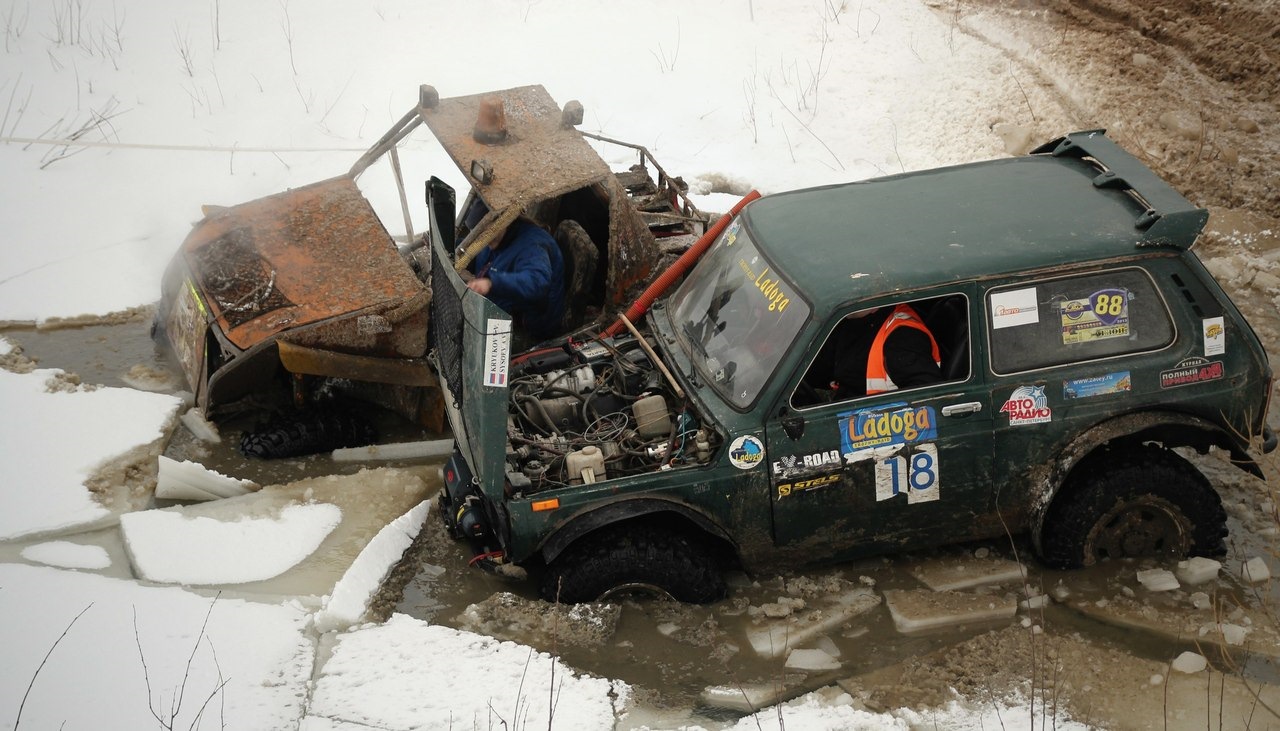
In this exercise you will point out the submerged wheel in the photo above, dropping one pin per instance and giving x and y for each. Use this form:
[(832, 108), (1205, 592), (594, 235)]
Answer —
[(306, 432), (1148, 502), (634, 559)]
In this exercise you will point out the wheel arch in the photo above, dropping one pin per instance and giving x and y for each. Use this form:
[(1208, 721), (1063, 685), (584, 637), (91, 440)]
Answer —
[(692, 521), (1168, 429)]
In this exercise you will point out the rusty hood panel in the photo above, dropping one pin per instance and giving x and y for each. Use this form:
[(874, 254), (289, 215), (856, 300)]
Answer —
[(540, 157), (294, 259)]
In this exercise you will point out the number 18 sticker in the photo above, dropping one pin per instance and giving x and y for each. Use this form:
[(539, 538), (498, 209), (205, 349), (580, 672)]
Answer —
[(915, 474)]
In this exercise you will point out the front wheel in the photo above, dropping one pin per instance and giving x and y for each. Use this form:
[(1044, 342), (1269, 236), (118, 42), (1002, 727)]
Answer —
[(1146, 502), (307, 432), (634, 559)]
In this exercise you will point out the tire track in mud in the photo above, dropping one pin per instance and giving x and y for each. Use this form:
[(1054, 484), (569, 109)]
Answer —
[(1230, 42), (1189, 87)]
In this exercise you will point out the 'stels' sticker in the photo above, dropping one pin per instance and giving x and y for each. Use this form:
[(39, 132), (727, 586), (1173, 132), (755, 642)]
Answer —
[(746, 452), (799, 486)]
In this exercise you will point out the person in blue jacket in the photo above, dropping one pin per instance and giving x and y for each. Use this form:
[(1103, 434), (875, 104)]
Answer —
[(523, 273)]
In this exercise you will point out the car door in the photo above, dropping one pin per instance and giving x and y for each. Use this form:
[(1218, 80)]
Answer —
[(907, 467)]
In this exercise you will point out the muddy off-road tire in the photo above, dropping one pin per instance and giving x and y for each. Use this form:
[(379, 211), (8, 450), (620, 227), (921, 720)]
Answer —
[(635, 559), (306, 432), (1143, 502)]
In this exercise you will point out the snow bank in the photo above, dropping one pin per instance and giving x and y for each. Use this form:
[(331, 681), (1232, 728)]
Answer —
[(226, 107), (406, 674), (52, 441), (133, 642)]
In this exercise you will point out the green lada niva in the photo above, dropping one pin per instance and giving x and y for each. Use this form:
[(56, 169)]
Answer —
[(1077, 343)]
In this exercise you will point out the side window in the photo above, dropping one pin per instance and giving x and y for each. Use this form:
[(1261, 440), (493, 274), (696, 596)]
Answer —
[(925, 342), (1074, 319)]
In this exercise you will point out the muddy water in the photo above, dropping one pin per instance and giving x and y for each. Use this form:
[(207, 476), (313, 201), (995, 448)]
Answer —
[(669, 653)]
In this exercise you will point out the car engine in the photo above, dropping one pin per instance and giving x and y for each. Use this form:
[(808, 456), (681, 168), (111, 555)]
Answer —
[(592, 412)]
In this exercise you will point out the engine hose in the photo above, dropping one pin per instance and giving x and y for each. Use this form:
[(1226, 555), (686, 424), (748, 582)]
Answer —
[(678, 268)]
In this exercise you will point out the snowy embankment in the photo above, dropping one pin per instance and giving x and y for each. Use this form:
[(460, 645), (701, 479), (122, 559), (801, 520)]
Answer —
[(231, 100)]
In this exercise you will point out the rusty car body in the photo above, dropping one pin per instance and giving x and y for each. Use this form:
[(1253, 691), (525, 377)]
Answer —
[(307, 288)]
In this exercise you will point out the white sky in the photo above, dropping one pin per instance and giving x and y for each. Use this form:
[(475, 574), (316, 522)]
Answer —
[(771, 95)]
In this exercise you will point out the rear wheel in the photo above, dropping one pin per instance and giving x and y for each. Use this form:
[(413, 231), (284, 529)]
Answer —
[(1146, 502), (634, 559)]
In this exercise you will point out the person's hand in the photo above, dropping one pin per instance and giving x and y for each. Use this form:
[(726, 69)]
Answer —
[(480, 285)]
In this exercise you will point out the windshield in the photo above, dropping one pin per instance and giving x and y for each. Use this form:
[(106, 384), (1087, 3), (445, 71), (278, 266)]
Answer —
[(736, 316)]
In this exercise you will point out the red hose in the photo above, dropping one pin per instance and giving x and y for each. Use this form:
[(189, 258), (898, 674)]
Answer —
[(679, 267)]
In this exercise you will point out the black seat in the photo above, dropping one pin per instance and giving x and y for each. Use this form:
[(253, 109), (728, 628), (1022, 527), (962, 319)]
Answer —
[(948, 320)]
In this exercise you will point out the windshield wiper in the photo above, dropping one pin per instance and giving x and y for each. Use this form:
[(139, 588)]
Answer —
[(694, 339)]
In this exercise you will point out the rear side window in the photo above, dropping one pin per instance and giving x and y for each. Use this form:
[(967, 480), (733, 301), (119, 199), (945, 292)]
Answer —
[(1074, 319)]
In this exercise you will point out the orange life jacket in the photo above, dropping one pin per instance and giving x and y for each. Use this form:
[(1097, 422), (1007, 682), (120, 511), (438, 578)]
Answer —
[(878, 380)]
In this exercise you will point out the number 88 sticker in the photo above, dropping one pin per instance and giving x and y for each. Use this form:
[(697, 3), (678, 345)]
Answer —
[(915, 474), (1109, 305)]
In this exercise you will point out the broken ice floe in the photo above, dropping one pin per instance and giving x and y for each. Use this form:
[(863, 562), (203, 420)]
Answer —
[(745, 698), (349, 601), (1190, 662), (1157, 580), (68, 555), (1232, 634), (1255, 570), (1198, 570), (917, 610), (196, 546), (812, 660), (950, 575), (396, 450), (200, 427), (191, 481), (773, 637)]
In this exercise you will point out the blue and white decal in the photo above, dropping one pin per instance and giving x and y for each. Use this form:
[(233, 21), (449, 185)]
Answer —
[(746, 452)]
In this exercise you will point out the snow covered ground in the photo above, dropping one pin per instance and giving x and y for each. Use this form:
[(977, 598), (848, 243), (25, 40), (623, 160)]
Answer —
[(173, 105)]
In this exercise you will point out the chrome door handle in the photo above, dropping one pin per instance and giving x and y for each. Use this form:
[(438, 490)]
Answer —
[(972, 407)]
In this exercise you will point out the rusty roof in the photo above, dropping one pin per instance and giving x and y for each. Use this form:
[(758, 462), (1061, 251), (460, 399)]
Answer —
[(539, 158)]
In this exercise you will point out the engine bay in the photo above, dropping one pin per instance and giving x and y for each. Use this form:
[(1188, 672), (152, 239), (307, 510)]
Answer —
[(596, 411)]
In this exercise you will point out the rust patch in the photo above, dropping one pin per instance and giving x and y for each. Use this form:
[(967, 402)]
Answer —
[(237, 279), (295, 259), (539, 158)]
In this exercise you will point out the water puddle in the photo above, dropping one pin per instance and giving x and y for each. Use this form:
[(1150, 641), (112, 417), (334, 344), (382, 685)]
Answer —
[(685, 659)]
